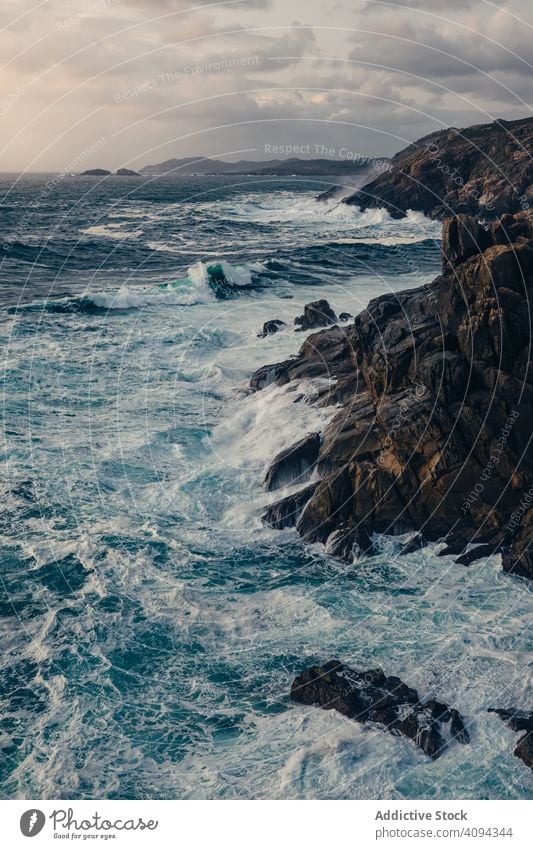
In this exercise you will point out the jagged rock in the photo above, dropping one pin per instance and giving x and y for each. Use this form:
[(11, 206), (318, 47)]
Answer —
[(345, 316), (316, 314), (286, 512), (456, 543), (435, 394), (349, 543), (293, 464), (464, 237), (331, 193), (482, 170), (519, 721), (95, 172), (476, 553), (271, 327), (371, 696)]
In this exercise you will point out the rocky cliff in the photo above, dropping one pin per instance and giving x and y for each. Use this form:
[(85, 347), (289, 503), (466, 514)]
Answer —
[(435, 394), (486, 169)]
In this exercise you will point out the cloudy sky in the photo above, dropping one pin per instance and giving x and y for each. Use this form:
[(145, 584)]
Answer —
[(130, 82)]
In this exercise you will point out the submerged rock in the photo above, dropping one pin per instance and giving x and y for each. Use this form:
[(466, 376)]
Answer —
[(519, 720), (371, 696), (286, 512), (316, 314), (95, 172)]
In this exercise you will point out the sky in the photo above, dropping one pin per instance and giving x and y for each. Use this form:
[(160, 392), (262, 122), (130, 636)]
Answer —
[(126, 83)]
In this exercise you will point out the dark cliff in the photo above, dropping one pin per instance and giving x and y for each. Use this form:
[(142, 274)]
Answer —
[(436, 392), (486, 169)]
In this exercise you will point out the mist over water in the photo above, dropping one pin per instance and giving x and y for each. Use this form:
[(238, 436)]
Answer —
[(150, 624)]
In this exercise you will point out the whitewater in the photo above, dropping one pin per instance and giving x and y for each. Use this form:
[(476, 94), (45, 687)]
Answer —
[(150, 624)]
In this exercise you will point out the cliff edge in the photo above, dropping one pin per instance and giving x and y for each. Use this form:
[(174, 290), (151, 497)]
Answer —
[(484, 170)]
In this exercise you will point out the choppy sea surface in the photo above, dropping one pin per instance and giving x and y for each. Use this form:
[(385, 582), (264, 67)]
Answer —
[(150, 626)]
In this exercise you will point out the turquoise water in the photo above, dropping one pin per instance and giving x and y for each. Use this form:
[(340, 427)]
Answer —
[(150, 625)]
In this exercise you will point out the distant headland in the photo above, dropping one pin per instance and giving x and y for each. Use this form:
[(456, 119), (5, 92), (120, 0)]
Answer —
[(203, 166)]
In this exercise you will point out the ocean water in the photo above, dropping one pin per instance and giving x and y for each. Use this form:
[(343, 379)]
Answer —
[(150, 626)]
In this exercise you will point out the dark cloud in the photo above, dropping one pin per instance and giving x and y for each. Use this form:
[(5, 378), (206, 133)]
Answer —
[(359, 74)]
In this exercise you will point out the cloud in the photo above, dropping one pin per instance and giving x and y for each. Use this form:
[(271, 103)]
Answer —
[(477, 52)]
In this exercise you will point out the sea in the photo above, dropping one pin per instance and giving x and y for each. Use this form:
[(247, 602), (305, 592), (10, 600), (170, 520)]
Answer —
[(150, 624)]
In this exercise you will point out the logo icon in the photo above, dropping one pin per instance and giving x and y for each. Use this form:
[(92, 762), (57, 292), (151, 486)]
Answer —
[(32, 822)]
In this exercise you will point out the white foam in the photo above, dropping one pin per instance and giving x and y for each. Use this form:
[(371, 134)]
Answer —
[(192, 290), (247, 439), (112, 231)]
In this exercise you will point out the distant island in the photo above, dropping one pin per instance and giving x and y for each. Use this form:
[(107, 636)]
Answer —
[(481, 170), (103, 172), (203, 166)]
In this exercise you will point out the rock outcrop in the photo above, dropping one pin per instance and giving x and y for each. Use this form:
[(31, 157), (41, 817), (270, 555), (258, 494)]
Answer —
[(286, 512), (520, 721), (483, 170), (294, 464), (435, 388), (371, 696), (96, 172)]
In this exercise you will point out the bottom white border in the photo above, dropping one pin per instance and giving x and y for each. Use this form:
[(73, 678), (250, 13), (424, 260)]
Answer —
[(268, 824)]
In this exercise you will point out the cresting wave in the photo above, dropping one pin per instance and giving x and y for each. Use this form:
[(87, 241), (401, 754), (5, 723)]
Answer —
[(218, 280)]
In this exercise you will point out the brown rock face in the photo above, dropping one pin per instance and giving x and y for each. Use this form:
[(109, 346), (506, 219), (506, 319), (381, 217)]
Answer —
[(486, 169), (435, 389), (316, 314)]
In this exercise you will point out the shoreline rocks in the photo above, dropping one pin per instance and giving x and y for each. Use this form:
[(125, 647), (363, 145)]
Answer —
[(103, 172), (271, 327), (371, 696), (435, 393)]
